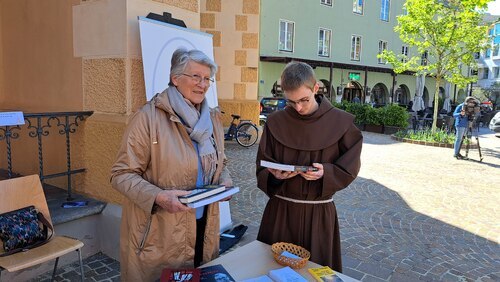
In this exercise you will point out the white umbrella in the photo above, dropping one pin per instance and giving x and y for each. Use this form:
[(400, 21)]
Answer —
[(447, 101), (418, 102)]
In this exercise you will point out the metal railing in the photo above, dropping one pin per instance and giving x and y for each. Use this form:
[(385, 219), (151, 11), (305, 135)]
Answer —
[(38, 125)]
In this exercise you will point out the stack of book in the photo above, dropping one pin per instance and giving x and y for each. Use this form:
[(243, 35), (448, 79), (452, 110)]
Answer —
[(202, 196)]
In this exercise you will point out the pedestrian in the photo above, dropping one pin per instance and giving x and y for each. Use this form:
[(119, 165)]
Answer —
[(172, 143), (308, 132), (461, 124), (356, 100)]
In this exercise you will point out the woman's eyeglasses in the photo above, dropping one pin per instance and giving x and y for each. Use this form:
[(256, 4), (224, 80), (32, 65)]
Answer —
[(198, 79)]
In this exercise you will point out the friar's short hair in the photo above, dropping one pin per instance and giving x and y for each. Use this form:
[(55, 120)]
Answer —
[(297, 74)]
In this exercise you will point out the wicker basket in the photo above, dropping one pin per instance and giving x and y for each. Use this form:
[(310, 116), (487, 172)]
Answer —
[(279, 247)]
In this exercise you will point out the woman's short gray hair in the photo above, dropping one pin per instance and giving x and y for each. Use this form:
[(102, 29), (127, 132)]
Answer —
[(182, 56)]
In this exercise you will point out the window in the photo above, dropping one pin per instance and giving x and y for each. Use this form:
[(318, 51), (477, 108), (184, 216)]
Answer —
[(496, 72), (286, 35), (488, 53), (324, 42), (382, 45), (355, 47), (486, 73), (326, 2), (358, 6), (404, 52), (496, 50), (424, 58), (384, 10)]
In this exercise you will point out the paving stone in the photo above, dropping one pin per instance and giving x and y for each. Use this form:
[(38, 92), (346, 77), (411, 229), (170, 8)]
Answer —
[(352, 273), (407, 217)]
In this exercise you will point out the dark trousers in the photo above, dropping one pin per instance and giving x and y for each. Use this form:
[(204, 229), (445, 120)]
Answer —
[(200, 235)]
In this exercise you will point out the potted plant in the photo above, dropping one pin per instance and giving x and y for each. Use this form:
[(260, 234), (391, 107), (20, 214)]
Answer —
[(359, 111), (374, 120), (395, 118)]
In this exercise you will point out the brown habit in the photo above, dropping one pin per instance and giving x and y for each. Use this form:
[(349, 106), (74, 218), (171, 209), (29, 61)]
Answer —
[(327, 136)]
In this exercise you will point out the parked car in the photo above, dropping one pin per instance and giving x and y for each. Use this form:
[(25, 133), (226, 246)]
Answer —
[(495, 123), (271, 104)]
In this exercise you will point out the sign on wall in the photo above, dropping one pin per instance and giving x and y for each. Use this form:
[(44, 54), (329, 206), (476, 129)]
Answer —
[(159, 40), (354, 76)]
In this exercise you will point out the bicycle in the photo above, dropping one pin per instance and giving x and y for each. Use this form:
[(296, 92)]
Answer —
[(245, 132)]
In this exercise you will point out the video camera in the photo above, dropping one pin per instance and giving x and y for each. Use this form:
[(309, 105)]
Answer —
[(471, 109)]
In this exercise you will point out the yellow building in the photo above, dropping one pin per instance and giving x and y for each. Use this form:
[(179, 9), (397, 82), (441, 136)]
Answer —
[(84, 55)]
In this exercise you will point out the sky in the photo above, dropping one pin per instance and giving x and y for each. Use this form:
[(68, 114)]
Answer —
[(494, 7)]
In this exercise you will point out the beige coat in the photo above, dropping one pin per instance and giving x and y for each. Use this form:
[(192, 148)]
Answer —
[(157, 153)]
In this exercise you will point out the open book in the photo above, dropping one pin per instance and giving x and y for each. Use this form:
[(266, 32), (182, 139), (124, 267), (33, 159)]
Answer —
[(228, 191), (201, 192), (286, 167)]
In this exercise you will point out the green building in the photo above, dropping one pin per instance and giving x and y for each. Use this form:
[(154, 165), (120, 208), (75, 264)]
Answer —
[(340, 39)]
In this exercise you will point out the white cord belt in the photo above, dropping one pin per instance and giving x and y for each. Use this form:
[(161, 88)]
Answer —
[(304, 201)]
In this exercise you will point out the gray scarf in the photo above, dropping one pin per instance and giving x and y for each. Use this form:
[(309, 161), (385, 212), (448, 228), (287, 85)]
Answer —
[(199, 126)]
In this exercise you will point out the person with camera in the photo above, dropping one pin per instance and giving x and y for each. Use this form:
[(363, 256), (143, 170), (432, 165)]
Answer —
[(461, 123)]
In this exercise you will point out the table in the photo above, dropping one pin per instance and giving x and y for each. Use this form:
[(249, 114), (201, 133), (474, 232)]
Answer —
[(256, 259)]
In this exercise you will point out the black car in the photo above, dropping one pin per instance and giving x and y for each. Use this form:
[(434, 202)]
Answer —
[(271, 104)]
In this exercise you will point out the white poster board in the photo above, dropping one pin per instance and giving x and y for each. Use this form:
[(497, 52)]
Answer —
[(159, 40)]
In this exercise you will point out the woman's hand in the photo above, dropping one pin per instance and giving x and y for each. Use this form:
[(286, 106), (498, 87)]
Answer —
[(169, 200), (281, 174), (313, 175)]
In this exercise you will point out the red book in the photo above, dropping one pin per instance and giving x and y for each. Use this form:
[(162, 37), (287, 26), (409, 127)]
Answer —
[(184, 275)]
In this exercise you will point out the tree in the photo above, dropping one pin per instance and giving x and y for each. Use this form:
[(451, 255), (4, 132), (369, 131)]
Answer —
[(449, 31)]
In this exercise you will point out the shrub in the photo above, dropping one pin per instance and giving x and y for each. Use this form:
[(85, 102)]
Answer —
[(394, 115), (374, 116), (358, 110)]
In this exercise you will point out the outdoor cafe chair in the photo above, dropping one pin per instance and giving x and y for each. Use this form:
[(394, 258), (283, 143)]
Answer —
[(21, 192)]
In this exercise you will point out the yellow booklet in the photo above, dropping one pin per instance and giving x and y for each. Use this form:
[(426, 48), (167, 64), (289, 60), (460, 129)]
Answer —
[(324, 273)]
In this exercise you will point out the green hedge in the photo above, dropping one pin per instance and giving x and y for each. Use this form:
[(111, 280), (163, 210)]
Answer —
[(390, 115)]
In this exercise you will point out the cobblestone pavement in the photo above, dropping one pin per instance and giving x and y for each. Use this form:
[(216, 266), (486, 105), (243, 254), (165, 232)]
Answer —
[(413, 214)]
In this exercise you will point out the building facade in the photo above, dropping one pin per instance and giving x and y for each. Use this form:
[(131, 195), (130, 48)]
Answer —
[(340, 40), (84, 55), (489, 60)]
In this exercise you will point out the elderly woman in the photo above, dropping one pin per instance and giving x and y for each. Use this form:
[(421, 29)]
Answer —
[(172, 143)]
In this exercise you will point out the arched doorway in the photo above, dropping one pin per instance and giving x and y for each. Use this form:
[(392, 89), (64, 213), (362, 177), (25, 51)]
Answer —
[(441, 98), (426, 97), (277, 91), (403, 95), (323, 88), (352, 90), (380, 94)]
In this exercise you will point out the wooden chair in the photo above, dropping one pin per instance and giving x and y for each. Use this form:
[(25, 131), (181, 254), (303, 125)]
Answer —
[(20, 192)]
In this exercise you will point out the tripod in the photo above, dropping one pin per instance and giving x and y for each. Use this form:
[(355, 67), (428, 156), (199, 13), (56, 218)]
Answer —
[(468, 136)]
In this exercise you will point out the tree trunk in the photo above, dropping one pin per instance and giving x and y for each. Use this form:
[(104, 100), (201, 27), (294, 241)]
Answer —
[(436, 105)]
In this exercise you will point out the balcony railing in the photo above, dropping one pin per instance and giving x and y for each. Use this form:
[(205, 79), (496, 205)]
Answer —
[(38, 125)]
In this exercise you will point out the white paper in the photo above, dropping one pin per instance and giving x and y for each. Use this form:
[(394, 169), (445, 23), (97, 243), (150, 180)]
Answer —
[(159, 40), (11, 118)]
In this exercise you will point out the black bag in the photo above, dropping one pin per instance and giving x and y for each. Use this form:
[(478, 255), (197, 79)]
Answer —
[(23, 229)]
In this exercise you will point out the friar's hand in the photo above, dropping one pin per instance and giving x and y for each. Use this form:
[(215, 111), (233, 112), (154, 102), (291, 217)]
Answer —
[(281, 174), (313, 175), (169, 200)]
